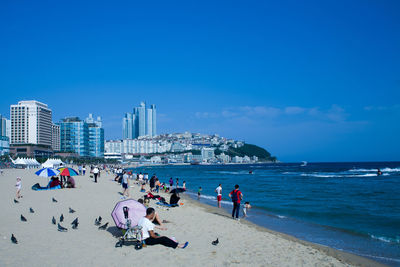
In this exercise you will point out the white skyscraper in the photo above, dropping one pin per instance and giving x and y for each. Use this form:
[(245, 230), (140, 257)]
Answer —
[(142, 122), (31, 123), (149, 122), (141, 117), (153, 120), (129, 126)]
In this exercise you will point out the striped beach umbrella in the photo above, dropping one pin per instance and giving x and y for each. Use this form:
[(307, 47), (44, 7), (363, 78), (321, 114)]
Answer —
[(47, 172), (67, 171)]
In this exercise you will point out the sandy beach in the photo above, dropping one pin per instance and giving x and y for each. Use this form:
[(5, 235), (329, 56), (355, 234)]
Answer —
[(40, 244)]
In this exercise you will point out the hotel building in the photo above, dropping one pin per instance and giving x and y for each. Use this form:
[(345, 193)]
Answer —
[(30, 123)]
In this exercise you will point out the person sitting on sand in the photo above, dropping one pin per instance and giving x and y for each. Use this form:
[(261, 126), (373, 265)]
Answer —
[(70, 182), (174, 199), (150, 237), (157, 219), (55, 182)]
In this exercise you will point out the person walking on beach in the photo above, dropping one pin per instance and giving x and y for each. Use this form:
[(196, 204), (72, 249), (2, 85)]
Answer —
[(171, 182), (18, 185), (177, 182), (125, 186), (184, 185), (199, 193), (236, 197), (95, 173), (150, 237), (84, 170), (218, 190)]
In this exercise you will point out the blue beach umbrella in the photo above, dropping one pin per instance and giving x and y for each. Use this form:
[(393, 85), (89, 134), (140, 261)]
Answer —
[(47, 172)]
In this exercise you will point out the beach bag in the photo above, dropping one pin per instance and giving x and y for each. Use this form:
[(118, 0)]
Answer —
[(36, 186)]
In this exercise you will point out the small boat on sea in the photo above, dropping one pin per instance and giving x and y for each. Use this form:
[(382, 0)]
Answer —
[(304, 164)]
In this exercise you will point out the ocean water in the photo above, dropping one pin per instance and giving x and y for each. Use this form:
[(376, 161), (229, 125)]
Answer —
[(346, 206)]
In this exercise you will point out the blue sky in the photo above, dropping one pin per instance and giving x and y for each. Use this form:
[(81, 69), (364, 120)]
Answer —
[(307, 80)]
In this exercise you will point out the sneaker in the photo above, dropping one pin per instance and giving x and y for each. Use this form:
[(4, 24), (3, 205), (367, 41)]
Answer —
[(186, 244)]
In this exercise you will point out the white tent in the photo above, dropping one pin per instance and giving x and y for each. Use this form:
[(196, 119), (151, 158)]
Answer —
[(26, 163), (53, 163)]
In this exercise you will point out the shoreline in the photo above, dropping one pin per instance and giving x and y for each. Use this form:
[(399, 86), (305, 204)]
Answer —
[(342, 256)]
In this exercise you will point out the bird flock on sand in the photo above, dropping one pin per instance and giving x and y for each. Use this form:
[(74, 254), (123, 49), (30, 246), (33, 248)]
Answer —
[(74, 223), (60, 228)]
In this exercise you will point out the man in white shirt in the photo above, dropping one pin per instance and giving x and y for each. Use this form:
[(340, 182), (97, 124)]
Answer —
[(95, 173), (150, 238), (218, 190)]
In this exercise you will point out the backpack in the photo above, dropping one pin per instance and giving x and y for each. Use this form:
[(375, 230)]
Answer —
[(235, 196)]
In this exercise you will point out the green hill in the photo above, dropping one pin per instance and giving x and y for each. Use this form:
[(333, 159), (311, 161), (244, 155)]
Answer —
[(250, 151)]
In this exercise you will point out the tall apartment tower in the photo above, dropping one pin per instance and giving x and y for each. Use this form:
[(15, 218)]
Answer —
[(4, 139), (149, 122), (74, 136), (96, 136), (55, 137), (153, 120), (142, 122), (129, 126), (141, 117), (31, 123)]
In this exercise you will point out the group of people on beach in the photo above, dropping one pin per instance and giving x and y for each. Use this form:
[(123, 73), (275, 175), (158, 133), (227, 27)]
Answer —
[(236, 196)]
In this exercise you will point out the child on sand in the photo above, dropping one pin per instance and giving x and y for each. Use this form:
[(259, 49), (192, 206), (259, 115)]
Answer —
[(18, 185), (246, 207), (199, 192)]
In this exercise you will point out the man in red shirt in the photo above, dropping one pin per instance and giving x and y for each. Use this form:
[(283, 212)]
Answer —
[(236, 196)]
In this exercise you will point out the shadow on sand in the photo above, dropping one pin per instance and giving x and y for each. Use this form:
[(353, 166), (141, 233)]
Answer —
[(115, 231)]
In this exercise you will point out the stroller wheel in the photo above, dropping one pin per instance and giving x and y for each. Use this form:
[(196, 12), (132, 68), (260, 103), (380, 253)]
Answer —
[(118, 244), (138, 246)]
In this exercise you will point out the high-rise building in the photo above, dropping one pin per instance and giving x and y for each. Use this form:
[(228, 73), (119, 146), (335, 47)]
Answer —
[(96, 136), (154, 120), (142, 122), (141, 116), (8, 128), (3, 126), (31, 123), (149, 122), (129, 126), (74, 136), (90, 119), (4, 139), (55, 137)]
